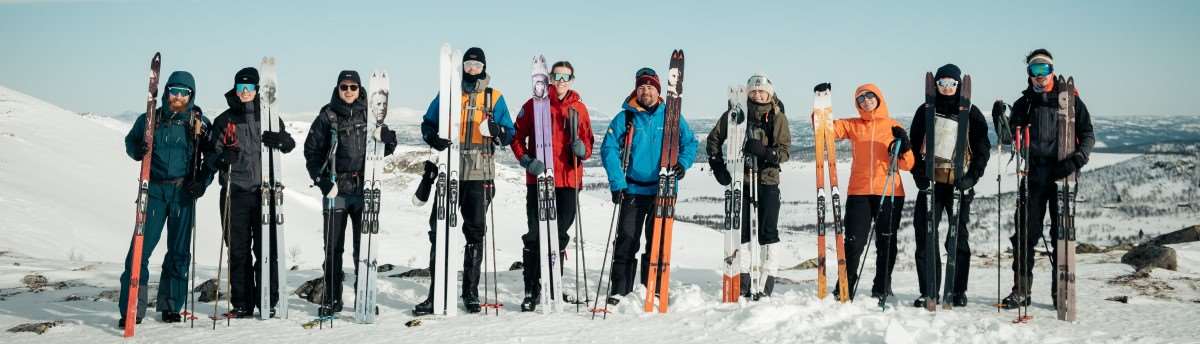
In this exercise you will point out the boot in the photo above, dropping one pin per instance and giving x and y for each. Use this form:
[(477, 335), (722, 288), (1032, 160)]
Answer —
[(423, 308), (530, 302), (959, 300), (171, 317), (243, 312), (768, 286), (1015, 300), (121, 323), (472, 259), (921, 302)]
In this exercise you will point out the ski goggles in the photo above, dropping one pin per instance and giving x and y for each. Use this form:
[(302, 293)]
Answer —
[(243, 88), (561, 77), (1040, 69), (179, 91), (864, 97), (348, 87), (947, 83), (472, 64)]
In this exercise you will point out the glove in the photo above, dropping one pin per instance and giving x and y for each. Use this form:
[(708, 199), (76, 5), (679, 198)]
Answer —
[(756, 147), (901, 138), (278, 140), (618, 195), (142, 147), (194, 189), (388, 137), (427, 179), (579, 149), (1067, 166), (679, 171), (533, 166), (1000, 123), (324, 184), (496, 132), (719, 170), (437, 142), (965, 183), (227, 156)]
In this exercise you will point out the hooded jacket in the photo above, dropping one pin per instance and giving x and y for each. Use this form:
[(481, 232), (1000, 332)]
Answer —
[(477, 152), (246, 169), (870, 135), (1038, 111), (978, 144), (764, 122), (567, 173), (174, 141), (645, 148), (350, 157)]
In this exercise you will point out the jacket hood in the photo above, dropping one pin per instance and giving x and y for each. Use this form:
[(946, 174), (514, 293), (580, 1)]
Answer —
[(179, 79), (881, 112), (234, 102), (570, 98)]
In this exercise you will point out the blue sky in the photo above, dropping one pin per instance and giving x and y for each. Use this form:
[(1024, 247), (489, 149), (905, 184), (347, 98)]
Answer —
[(1130, 58)]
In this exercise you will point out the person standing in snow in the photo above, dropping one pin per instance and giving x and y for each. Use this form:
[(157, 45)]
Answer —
[(1037, 110), (572, 129), (177, 179), (240, 167), (345, 117), (946, 106), (769, 139), (873, 136), (634, 186), (482, 106)]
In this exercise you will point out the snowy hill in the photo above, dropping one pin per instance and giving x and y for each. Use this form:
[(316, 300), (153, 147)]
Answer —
[(67, 204)]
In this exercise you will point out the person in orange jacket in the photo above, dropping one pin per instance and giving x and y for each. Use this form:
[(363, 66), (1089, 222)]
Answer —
[(873, 135)]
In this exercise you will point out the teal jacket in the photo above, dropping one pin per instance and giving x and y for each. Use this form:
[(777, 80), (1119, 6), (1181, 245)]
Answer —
[(173, 145)]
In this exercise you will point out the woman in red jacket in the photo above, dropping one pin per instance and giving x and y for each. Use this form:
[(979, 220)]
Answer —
[(572, 144), (873, 135)]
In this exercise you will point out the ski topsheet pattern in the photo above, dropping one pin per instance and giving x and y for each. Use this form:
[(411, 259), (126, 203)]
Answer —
[(735, 129), (272, 200), (365, 310), (445, 272), (1065, 244), (827, 157), (658, 279), (135, 273), (548, 248)]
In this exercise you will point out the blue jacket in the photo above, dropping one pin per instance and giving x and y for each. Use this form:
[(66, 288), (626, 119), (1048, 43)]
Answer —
[(642, 175), (173, 146)]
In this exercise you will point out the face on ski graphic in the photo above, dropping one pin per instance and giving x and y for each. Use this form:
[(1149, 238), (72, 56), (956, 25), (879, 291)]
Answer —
[(379, 101), (673, 82)]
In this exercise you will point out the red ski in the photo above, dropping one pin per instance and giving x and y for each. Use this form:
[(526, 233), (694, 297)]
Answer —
[(135, 272)]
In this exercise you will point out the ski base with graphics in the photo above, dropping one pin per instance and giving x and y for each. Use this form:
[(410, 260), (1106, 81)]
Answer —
[(658, 279), (365, 309), (734, 162)]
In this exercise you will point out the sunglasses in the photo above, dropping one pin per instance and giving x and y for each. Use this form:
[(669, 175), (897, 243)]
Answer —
[(864, 97), (947, 83), (472, 64), (561, 77), (348, 87), (1040, 69), (243, 88), (179, 91)]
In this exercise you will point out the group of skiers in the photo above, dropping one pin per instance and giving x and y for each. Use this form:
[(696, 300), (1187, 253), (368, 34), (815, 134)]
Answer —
[(189, 151)]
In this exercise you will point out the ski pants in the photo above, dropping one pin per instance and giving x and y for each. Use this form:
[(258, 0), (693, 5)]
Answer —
[(768, 232), (166, 205), (636, 215), (565, 211), (863, 212), (1041, 195), (245, 241), (929, 268), (473, 200), (350, 206)]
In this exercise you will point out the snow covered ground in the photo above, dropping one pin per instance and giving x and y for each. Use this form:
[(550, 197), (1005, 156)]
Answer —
[(67, 192)]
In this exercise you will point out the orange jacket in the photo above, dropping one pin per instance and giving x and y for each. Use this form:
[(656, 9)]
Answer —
[(870, 135)]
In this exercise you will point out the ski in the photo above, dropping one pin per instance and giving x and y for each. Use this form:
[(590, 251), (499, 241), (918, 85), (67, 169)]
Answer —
[(272, 195), (957, 160), (931, 237), (445, 300), (1065, 244), (135, 272), (827, 158), (365, 309), (549, 250), (658, 280), (735, 127)]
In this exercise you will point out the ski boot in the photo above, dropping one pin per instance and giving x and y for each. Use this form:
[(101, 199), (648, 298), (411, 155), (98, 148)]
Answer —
[(171, 317), (423, 308), (959, 300), (121, 323), (1014, 301)]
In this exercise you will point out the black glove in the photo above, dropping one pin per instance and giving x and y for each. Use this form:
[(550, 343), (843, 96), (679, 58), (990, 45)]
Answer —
[(1000, 123), (141, 149), (824, 86), (227, 156), (719, 170), (194, 189), (901, 138), (617, 196), (325, 185), (758, 149), (427, 180), (437, 142), (965, 183), (1065, 167), (533, 166), (279, 140), (496, 130), (679, 171), (579, 149), (388, 137)]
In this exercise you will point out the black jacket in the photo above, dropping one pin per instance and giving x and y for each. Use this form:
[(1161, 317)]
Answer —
[(350, 159), (1038, 111), (977, 137), (246, 169)]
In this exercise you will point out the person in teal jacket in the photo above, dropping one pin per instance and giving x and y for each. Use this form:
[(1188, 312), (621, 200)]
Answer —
[(634, 185), (177, 179)]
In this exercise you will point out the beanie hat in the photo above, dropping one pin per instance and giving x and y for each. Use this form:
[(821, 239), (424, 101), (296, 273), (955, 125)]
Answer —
[(475, 54), (949, 71), (349, 75), (247, 75), (648, 79), (760, 82)]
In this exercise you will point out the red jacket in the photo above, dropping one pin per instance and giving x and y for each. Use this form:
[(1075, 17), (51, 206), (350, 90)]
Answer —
[(567, 172)]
